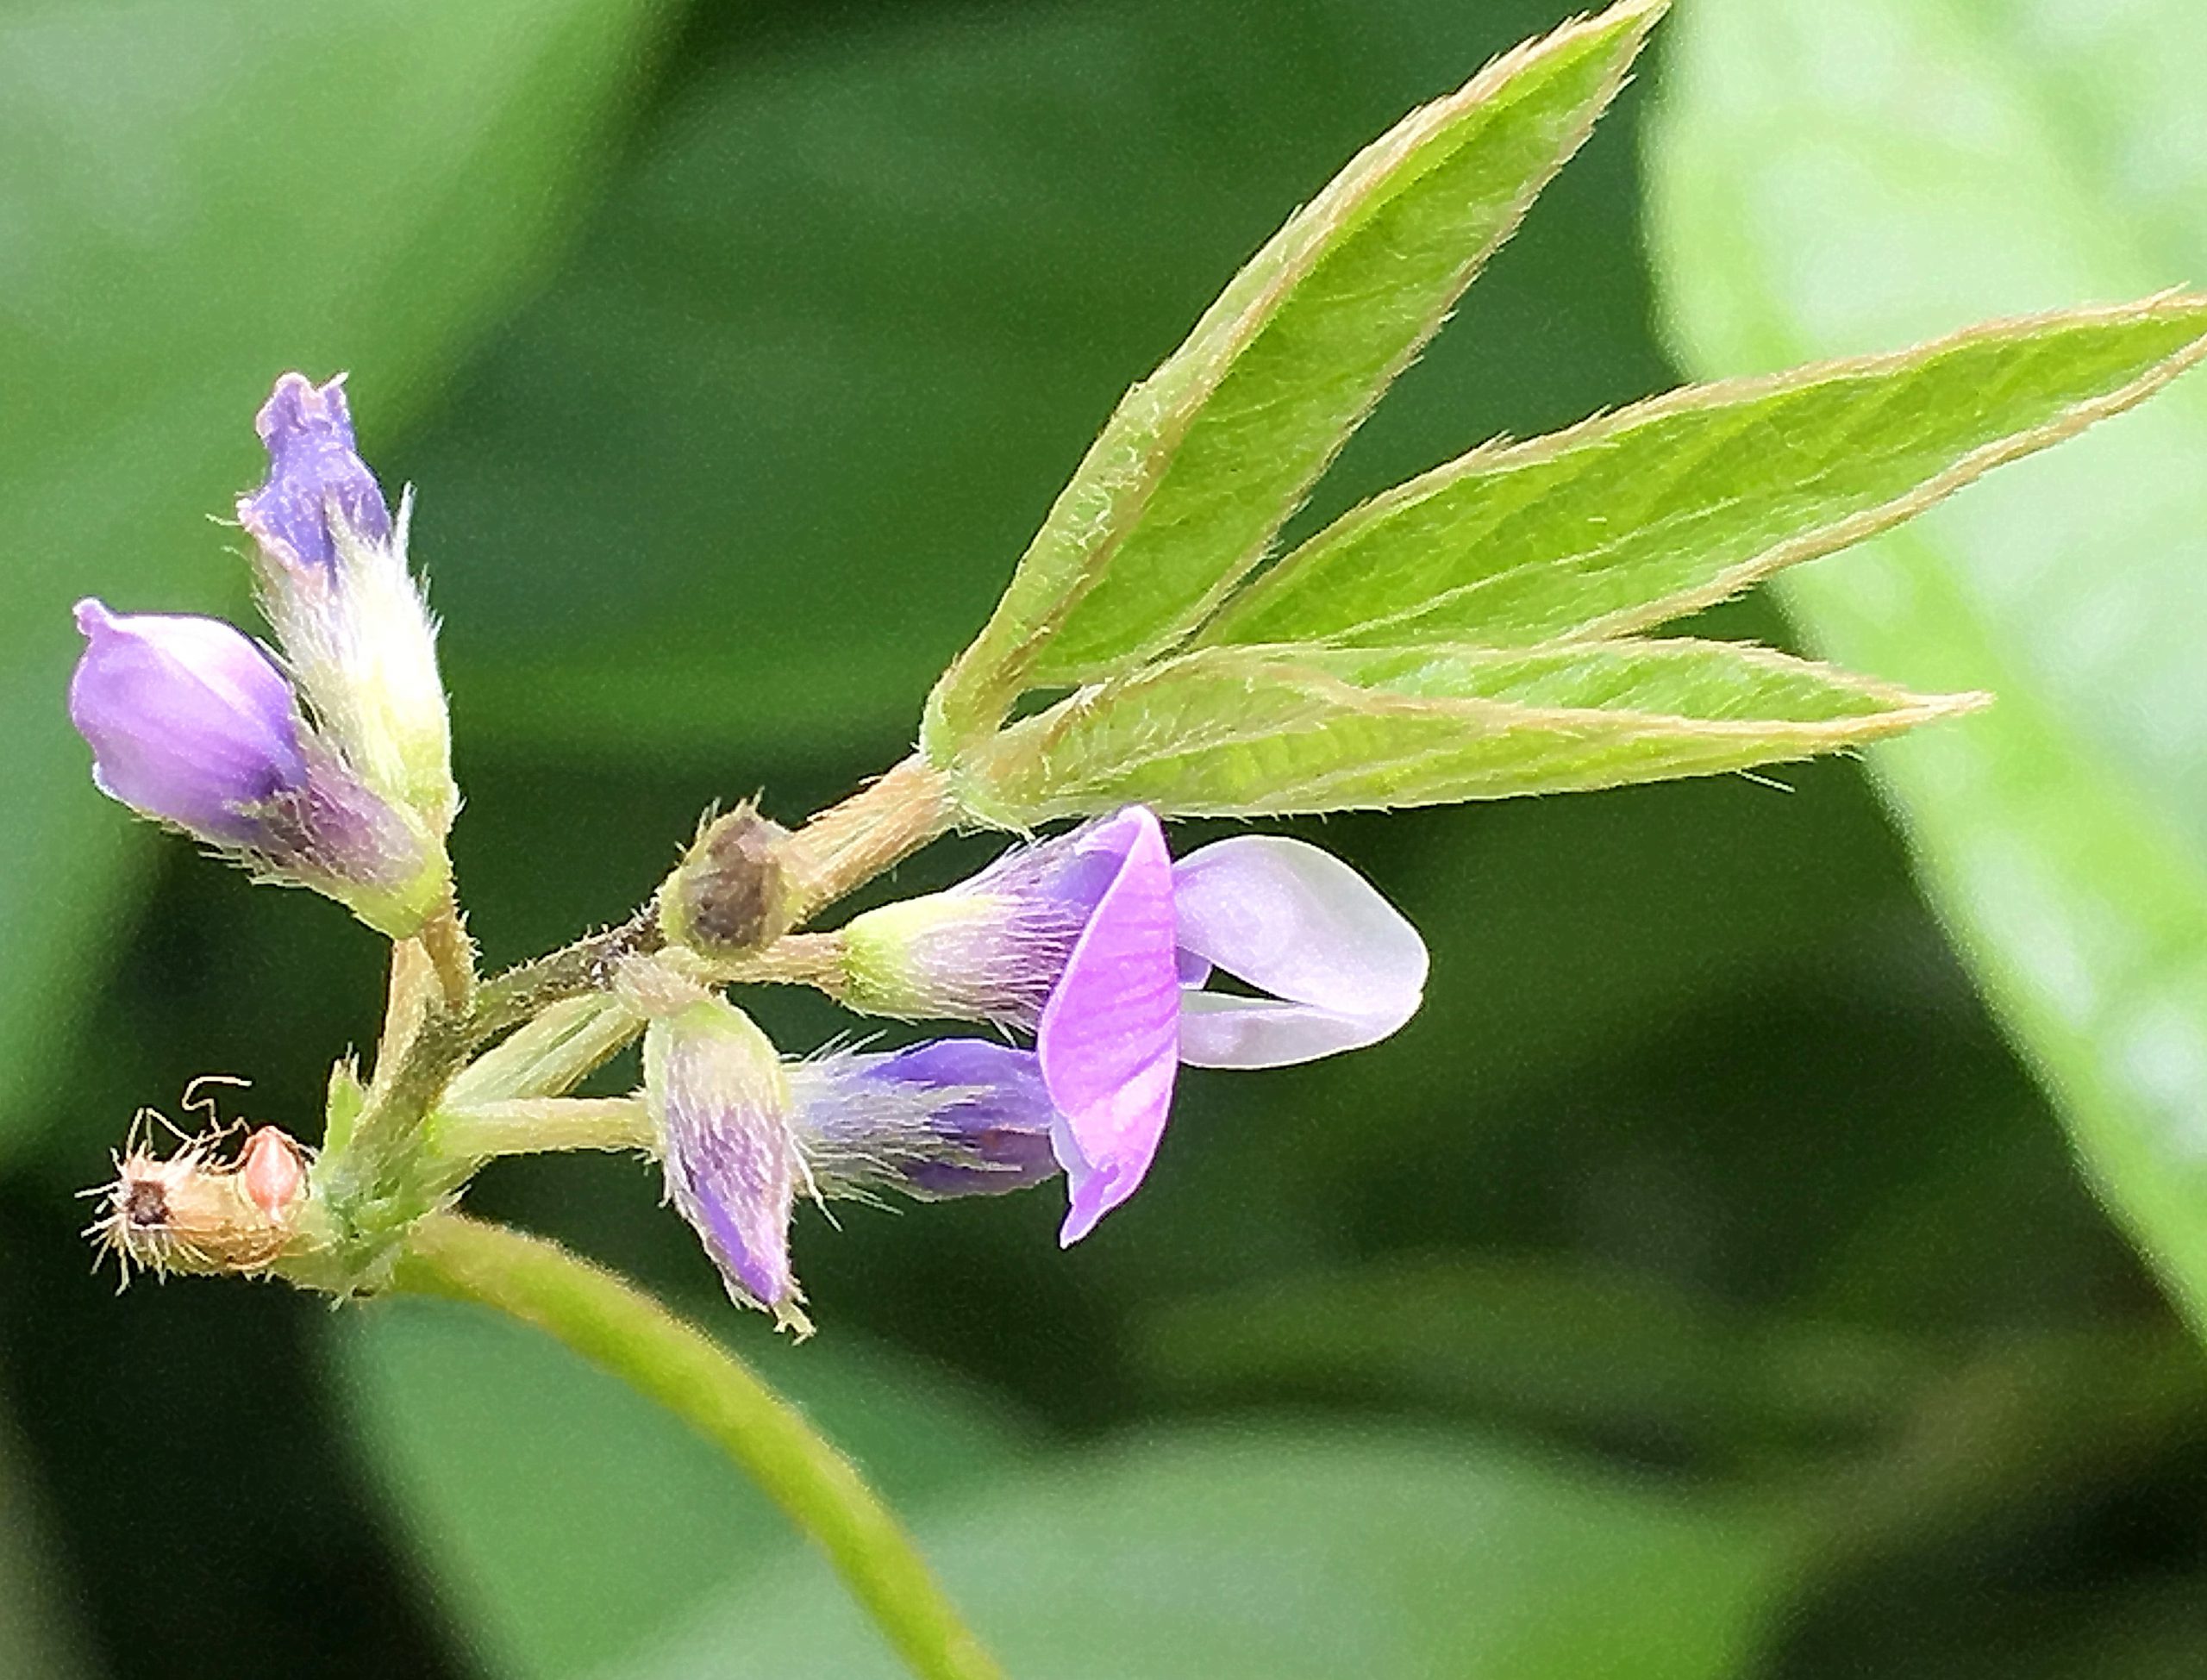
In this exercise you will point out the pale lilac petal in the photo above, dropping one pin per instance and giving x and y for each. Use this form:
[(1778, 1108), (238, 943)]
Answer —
[(1220, 1030), (1109, 1038), (1296, 921)]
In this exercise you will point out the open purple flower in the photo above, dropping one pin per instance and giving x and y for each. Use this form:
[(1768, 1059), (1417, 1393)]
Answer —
[(720, 1103), (1102, 945), (192, 724)]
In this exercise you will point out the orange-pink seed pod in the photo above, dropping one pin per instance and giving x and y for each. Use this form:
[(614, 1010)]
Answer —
[(272, 1169)]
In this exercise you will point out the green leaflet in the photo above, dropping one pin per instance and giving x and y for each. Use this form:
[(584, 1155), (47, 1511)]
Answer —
[(1207, 458), (1246, 732), (1250, 1552), (1635, 518), (2065, 835), (933, 359)]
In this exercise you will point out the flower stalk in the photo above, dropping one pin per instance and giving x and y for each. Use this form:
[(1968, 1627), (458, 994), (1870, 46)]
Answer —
[(533, 1125), (623, 1331)]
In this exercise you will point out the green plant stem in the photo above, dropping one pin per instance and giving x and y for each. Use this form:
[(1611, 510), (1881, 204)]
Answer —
[(550, 1055), (795, 960), (532, 1125), (877, 827), (618, 1327), (838, 851), (451, 954)]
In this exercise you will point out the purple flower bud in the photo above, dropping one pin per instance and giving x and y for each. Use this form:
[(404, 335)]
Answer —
[(355, 633), (1100, 945), (949, 1117), (720, 1104), (318, 486), (189, 721)]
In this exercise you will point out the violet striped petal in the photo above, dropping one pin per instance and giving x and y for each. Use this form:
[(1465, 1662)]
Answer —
[(1109, 1036), (945, 1117), (719, 1101), (1344, 968)]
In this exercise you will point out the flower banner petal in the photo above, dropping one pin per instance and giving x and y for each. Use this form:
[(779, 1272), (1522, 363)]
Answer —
[(1109, 1038)]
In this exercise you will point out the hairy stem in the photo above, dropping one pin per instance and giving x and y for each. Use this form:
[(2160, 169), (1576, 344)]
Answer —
[(550, 1055), (451, 955), (534, 1124), (575, 971), (877, 827), (384, 1178), (838, 851), (615, 1325), (795, 960)]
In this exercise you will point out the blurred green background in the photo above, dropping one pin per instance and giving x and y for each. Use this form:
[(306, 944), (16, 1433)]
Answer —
[(1699, 1287)]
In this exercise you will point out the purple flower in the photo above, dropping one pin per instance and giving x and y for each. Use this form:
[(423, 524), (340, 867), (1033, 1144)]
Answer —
[(319, 490), (720, 1104), (948, 1117), (355, 631), (189, 721), (192, 724), (1100, 945)]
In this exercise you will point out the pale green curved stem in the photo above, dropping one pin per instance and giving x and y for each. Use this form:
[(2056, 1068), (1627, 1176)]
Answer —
[(616, 1326)]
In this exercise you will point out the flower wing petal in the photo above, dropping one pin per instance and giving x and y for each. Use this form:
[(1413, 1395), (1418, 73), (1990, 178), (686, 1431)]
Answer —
[(1297, 922)]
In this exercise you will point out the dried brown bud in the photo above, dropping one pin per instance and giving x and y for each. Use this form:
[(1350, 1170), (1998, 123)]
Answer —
[(731, 894), (194, 1212)]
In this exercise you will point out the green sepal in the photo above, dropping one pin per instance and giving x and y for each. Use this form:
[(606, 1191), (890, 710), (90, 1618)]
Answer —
[(398, 912), (347, 1095)]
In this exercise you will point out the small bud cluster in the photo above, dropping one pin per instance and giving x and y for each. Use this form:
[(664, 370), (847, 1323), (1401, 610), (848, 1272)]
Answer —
[(732, 893), (326, 764)]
